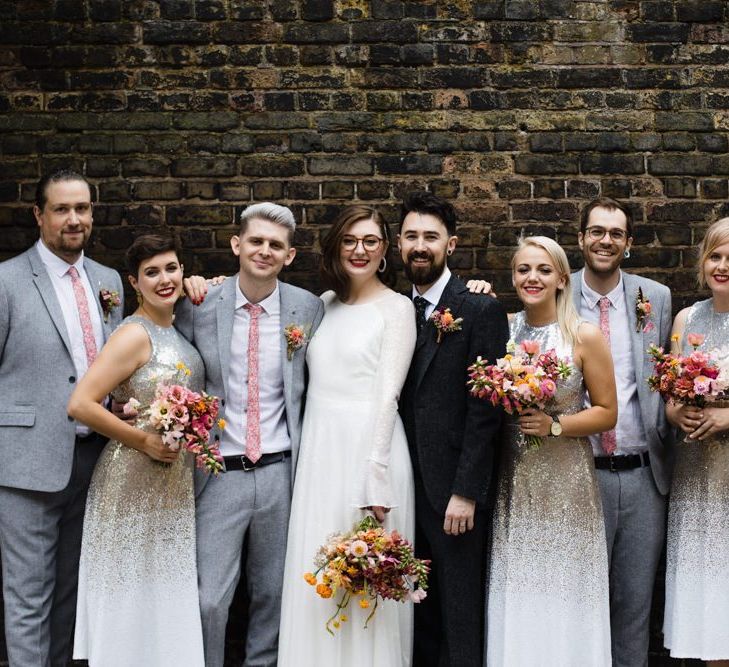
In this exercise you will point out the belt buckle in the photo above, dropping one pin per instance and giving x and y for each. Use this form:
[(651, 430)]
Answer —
[(612, 464), (247, 464)]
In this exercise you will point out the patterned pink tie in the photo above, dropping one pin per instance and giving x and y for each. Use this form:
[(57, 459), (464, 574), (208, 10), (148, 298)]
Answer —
[(253, 409), (607, 439), (82, 304)]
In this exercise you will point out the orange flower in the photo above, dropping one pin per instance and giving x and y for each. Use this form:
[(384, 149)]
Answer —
[(446, 318), (310, 578), (324, 591), (364, 603)]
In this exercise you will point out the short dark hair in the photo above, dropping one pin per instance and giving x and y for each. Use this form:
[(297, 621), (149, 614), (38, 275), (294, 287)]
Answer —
[(331, 270), (55, 177), (146, 246), (610, 205), (421, 201)]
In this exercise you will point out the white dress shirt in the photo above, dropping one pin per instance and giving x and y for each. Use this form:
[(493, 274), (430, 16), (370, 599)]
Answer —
[(274, 431), (434, 292), (58, 272), (629, 432)]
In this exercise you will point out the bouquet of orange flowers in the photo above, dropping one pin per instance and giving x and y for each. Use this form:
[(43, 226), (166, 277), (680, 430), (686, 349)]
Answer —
[(368, 563)]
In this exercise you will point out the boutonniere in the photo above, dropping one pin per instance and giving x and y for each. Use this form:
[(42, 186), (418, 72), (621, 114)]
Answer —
[(109, 300), (296, 336), (643, 311), (444, 322)]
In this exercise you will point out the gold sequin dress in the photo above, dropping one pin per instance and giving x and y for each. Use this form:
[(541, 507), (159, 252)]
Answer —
[(137, 592), (696, 621), (548, 578)]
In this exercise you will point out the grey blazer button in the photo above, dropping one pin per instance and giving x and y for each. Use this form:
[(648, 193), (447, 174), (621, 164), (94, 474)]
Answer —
[(70, 418), (72, 379)]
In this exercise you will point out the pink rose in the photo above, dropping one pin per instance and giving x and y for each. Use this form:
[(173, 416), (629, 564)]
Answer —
[(530, 347), (694, 339)]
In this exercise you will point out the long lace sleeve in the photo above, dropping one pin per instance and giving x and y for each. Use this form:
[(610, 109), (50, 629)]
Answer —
[(396, 352)]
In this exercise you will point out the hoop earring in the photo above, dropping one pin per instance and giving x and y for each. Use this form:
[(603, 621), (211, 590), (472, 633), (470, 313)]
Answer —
[(626, 254), (383, 265), (140, 298), (449, 252)]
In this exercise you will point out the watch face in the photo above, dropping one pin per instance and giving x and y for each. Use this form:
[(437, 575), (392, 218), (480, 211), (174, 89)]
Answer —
[(556, 428)]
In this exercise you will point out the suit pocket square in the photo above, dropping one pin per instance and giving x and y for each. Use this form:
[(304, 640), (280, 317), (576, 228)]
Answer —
[(17, 417)]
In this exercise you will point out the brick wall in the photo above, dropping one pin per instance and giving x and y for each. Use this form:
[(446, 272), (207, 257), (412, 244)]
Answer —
[(183, 111)]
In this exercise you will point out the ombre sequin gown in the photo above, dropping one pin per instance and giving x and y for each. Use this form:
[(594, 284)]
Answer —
[(548, 574), (137, 591), (696, 622)]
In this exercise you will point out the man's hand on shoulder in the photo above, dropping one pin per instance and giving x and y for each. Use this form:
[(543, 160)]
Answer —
[(480, 287), (459, 515)]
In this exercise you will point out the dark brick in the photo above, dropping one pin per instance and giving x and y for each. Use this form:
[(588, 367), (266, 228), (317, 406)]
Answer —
[(545, 211), (583, 189), (679, 187), (218, 121), (268, 190), (105, 10), (237, 143), (303, 190), (493, 9), (200, 215), (210, 10), (677, 165), (114, 191), (678, 141), (549, 188), (158, 190), (545, 164), (452, 77), (588, 77), (657, 32), (259, 166), (514, 189), (176, 32), (679, 212), (409, 164), (317, 10), (611, 164), (176, 9), (545, 142), (483, 100), (329, 33), (700, 10), (204, 166), (447, 54), (145, 167), (714, 188), (235, 191), (316, 55), (646, 77), (337, 190), (347, 166), (373, 190), (520, 32), (398, 32)]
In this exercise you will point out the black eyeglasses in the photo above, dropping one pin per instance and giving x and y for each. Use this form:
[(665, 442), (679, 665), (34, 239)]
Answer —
[(598, 233), (370, 243)]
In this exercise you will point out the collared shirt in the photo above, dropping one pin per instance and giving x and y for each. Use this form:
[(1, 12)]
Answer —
[(629, 432), (58, 272), (274, 431), (434, 292)]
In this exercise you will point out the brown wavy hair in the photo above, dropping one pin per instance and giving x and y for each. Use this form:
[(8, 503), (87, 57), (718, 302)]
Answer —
[(331, 271)]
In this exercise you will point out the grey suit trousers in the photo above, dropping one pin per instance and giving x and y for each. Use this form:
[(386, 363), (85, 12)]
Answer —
[(40, 542), (635, 528), (242, 519)]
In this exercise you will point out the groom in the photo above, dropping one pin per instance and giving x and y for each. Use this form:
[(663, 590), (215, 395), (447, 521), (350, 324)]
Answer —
[(242, 515), (452, 436), (52, 324)]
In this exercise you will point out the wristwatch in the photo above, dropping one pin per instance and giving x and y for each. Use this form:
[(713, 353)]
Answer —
[(555, 428)]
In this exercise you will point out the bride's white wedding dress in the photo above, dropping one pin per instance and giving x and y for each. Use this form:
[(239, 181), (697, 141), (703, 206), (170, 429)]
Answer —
[(353, 454)]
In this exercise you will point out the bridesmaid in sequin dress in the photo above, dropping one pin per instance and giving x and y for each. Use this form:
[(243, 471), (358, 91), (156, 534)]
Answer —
[(137, 593), (548, 579), (696, 622)]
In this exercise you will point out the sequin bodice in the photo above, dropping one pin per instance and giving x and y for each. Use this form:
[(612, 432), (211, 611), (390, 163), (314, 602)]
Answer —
[(570, 395), (169, 349), (703, 320)]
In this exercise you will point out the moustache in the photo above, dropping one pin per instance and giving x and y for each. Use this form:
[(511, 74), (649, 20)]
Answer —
[(419, 254)]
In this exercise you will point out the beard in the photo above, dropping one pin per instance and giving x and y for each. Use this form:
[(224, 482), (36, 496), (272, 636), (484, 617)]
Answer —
[(423, 275), (603, 269)]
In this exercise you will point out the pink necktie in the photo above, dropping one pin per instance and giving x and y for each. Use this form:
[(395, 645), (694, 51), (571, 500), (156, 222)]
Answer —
[(253, 410), (607, 439), (82, 304)]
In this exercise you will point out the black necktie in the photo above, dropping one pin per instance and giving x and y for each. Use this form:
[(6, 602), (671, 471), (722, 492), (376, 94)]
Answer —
[(421, 305)]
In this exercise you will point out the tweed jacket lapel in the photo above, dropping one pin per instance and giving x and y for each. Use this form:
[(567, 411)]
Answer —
[(287, 316), (48, 294), (96, 287), (225, 311), (427, 345)]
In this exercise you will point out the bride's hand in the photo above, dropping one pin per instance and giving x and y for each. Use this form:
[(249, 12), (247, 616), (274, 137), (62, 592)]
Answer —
[(158, 450), (379, 511), (535, 422)]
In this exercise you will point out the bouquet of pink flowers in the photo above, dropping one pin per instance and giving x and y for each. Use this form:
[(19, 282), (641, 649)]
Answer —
[(693, 379), (368, 563), (185, 419), (524, 378)]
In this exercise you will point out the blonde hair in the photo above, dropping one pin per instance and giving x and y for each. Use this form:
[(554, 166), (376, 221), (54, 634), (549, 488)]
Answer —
[(567, 316), (716, 235)]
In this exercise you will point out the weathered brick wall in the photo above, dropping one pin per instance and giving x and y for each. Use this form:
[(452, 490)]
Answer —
[(183, 111)]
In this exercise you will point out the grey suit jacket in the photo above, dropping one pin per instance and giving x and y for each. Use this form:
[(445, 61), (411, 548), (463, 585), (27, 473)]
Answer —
[(37, 373), (657, 429), (209, 327)]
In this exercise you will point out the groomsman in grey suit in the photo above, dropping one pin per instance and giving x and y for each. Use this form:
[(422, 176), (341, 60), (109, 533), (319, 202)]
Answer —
[(633, 461), (52, 324), (242, 515)]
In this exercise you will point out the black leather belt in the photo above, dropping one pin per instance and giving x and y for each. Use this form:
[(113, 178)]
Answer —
[(618, 463), (244, 463), (91, 439)]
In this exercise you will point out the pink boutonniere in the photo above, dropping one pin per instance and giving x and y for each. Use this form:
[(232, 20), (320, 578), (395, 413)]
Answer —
[(109, 300), (643, 311), (296, 337), (444, 322)]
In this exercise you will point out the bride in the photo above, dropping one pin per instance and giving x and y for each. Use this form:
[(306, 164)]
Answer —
[(354, 456)]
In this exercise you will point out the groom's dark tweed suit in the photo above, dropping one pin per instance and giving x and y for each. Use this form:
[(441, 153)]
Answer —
[(452, 438)]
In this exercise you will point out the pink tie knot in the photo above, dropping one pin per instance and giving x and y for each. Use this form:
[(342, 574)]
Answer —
[(254, 309)]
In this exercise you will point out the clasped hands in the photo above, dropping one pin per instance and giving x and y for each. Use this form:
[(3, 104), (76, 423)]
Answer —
[(698, 423), (535, 422)]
